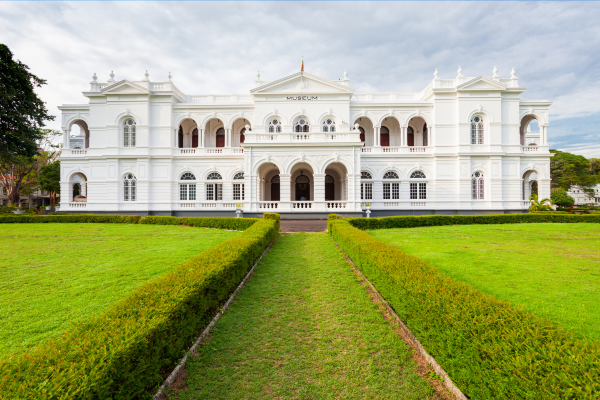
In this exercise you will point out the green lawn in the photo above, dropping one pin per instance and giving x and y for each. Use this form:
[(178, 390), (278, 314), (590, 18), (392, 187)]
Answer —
[(550, 269), (303, 327), (56, 274)]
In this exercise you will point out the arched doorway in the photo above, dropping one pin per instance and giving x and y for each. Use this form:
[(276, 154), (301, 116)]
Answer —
[(530, 184), (367, 132), (275, 188), (329, 188), (79, 188), (385, 136), (302, 187), (220, 138), (187, 135)]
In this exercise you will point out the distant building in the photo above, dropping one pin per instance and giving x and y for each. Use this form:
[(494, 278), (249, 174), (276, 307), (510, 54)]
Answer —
[(38, 198), (305, 144), (582, 197)]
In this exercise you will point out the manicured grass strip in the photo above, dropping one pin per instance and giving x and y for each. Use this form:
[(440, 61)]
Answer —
[(490, 348), (438, 220), (550, 269), (303, 327), (125, 352), (57, 274)]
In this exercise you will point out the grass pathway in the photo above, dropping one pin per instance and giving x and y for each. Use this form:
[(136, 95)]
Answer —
[(303, 327)]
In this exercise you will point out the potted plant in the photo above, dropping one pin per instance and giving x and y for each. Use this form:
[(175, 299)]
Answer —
[(238, 209), (368, 209)]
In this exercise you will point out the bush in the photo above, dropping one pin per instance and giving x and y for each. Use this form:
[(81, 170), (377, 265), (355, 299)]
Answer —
[(70, 218), (124, 352), (560, 197), (490, 348), (237, 224), (274, 216), (437, 220)]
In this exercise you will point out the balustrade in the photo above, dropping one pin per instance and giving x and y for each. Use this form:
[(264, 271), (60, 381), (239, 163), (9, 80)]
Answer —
[(526, 149)]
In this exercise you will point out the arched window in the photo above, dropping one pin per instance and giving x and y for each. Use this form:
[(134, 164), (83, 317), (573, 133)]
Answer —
[(477, 130), (366, 188), (391, 191), (329, 125), (384, 135), (418, 190), (301, 125), (275, 126), (477, 186), (129, 133), (129, 188), (239, 175), (187, 191), (214, 191), (220, 138)]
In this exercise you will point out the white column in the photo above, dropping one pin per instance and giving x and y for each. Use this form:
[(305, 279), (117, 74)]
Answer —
[(430, 138), (376, 137), (202, 138), (402, 136), (66, 139), (227, 137), (285, 192), (319, 191)]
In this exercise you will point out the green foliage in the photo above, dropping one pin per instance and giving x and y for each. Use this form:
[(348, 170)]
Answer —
[(123, 352), (237, 224), (49, 180), (437, 220), (540, 205), (568, 169), (560, 197), (273, 216), (71, 218), (22, 112), (490, 348)]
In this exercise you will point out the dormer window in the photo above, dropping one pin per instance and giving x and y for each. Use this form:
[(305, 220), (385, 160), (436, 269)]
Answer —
[(329, 125), (275, 126), (477, 130)]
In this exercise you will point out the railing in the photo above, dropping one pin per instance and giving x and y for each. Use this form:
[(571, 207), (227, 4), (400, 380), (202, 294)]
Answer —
[(268, 205), (219, 99), (446, 82), (414, 149), (366, 150), (388, 204), (388, 149), (526, 203), (385, 97), (187, 151), (159, 86), (267, 137), (394, 149), (238, 150), (526, 149), (78, 152), (417, 204), (77, 205), (301, 136), (187, 205), (336, 205), (336, 137), (214, 151), (302, 205)]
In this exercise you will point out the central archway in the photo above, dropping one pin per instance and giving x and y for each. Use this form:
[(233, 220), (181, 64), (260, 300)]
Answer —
[(302, 187), (302, 182)]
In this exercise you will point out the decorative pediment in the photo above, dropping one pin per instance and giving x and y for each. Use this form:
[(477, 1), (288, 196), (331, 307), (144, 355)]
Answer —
[(302, 83), (481, 83), (125, 87)]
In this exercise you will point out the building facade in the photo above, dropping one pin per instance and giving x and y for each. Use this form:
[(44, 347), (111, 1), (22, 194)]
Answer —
[(305, 145), (582, 197)]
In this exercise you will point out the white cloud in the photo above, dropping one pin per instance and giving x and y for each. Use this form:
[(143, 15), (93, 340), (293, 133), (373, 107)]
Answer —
[(217, 47)]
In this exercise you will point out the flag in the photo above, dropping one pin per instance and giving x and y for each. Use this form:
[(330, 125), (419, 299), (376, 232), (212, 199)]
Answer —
[(302, 67)]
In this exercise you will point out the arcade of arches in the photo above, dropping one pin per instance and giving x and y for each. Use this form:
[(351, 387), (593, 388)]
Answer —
[(391, 133), (214, 134)]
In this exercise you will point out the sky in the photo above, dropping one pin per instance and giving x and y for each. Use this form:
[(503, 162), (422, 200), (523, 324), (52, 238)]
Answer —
[(218, 47)]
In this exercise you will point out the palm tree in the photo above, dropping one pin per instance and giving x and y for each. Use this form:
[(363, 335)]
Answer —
[(540, 205)]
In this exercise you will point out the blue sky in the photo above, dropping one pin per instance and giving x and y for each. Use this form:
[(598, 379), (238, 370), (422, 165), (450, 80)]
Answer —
[(217, 47)]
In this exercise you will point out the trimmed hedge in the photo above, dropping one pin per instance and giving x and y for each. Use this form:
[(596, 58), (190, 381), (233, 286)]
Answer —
[(490, 348), (274, 216), (437, 220), (124, 352), (31, 219), (237, 224)]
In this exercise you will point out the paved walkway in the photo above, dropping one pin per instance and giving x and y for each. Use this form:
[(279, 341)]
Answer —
[(303, 327), (303, 225)]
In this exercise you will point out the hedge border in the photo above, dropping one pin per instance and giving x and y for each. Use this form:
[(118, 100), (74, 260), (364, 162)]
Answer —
[(121, 353), (484, 343)]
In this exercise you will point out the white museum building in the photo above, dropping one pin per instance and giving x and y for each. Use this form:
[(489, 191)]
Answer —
[(305, 146)]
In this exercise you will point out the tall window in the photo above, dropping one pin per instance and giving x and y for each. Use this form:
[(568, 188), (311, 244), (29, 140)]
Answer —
[(477, 130), (187, 191), (129, 188), (129, 133), (366, 188), (275, 126), (220, 138), (238, 188), (391, 190), (384, 136), (301, 125), (425, 136), (418, 190), (214, 191), (477, 186), (329, 125)]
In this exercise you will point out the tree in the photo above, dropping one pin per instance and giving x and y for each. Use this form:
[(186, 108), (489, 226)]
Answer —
[(49, 180), (20, 172), (22, 112), (540, 205), (560, 197), (568, 170)]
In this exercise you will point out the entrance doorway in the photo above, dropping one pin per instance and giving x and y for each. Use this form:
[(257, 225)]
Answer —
[(329, 188), (302, 188), (275, 188)]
